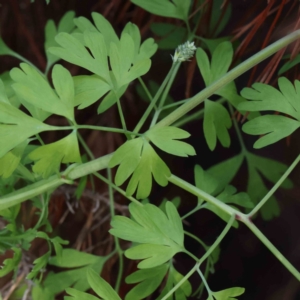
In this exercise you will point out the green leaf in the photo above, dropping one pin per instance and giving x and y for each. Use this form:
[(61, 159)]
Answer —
[(216, 123), (65, 25), (148, 281), (89, 89), (11, 264), (49, 157), (272, 170), (160, 235), (171, 35), (78, 295), (10, 161), (177, 9), (274, 127), (225, 171), (229, 293), (111, 98), (39, 264), (75, 52), (5, 50), (166, 139), (219, 18), (137, 158), (14, 122), (101, 287), (183, 291), (71, 258), (33, 88), (265, 97), (289, 64)]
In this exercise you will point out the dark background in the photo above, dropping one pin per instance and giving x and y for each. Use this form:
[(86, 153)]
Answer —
[(244, 260)]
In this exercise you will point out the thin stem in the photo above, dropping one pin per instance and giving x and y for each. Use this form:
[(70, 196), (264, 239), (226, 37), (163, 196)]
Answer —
[(195, 116), (154, 100), (227, 78), (165, 94), (274, 188), (146, 90), (198, 207), (205, 282), (238, 131), (122, 192), (191, 255), (183, 279), (218, 240), (122, 119), (85, 146), (197, 239), (39, 139), (203, 258), (92, 127), (168, 87), (119, 250), (272, 248)]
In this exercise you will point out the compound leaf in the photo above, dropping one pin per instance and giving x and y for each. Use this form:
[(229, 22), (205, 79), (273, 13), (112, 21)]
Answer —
[(265, 97), (216, 123), (11, 264), (39, 264), (177, 9), (166, 139), (31, 86), (160, 235), (49, 157), (71, 258), (148, 281), (101, 287), (14, 122), (274, 127), (289, 64), (138, 158)]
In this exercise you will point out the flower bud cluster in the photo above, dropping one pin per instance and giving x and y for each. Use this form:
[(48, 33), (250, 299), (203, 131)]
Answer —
[(184, 52)]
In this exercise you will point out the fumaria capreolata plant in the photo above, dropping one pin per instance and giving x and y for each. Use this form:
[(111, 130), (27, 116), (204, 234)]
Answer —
[(32, 170)]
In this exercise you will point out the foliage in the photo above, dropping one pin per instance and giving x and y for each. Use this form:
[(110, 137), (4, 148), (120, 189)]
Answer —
[(30, 169)]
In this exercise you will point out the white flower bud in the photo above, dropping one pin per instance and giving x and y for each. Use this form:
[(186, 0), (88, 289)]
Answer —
[(184, 52)]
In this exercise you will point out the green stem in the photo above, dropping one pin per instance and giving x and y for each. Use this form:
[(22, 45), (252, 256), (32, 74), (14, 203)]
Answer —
[(183, 279), (274, 188), (119, 250), (195, 116), (271, 247), (122, 119), (218, 240), (196, 239), (146, 90), (53, 182), (203, 258), (85, 146), (199, 193), (198, 207), (238, 131), (209, 291), (91, 127), (168, 87), (122, 192), (154, 100), (227, 78), (191, 255)]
